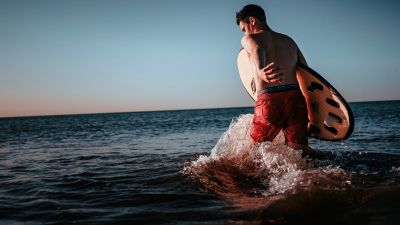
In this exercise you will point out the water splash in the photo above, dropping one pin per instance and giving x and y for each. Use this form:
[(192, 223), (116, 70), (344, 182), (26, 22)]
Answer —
[(238, 166)]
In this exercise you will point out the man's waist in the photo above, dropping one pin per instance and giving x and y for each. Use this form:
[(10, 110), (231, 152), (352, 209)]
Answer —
[(279, 88)]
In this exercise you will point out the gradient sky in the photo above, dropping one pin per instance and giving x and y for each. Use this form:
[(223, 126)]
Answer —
[(66, 57)]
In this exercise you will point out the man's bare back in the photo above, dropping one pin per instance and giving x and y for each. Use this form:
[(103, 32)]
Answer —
[(268, 47)]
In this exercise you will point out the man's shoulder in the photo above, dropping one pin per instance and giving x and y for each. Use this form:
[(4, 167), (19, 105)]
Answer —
[(285, 40), (249, 38), (249, 41), (284, 37)]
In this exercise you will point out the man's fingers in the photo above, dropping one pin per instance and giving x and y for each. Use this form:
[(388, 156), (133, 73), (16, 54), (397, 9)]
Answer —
[(274, 75), (278, 80), (274, 70), (271, 66)]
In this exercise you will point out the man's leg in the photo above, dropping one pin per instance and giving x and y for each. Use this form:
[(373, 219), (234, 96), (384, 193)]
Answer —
[(263, 132), (267, 117)]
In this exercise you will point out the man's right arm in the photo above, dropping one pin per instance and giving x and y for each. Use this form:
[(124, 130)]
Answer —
[(257, 53)]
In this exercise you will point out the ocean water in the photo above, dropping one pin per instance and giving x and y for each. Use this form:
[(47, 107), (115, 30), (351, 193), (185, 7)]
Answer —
[(195, 167)]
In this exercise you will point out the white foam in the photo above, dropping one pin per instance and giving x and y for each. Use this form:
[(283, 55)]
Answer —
[(395, 169), (276, 167)]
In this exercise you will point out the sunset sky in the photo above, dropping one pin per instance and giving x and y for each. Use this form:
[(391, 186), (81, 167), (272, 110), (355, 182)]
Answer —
[(69, 57)]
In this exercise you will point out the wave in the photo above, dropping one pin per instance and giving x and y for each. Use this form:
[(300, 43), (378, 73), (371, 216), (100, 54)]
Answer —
[(237, 166)]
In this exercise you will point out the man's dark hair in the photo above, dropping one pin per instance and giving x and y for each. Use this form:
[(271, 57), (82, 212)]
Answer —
[(251, 10)]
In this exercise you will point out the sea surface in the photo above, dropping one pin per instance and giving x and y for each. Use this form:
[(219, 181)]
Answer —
[(195, 167)]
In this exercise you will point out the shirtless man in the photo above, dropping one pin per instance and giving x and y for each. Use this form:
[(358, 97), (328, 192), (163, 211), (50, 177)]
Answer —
[(280, 103)]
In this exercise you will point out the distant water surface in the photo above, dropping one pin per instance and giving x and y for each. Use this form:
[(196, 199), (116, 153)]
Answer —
[(195, 167)]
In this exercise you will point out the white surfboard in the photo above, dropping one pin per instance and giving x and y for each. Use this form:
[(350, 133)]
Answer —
[(330, 115)]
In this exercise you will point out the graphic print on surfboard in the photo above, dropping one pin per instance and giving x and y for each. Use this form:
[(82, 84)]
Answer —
[(330, 115)]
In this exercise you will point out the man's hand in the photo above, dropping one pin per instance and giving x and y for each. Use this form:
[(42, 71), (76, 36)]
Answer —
[(271, 73)]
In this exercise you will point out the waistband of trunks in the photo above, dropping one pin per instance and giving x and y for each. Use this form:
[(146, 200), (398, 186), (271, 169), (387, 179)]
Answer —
[(279, 88)]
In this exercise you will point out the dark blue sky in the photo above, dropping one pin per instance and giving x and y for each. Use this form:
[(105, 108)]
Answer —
[(61, 57)]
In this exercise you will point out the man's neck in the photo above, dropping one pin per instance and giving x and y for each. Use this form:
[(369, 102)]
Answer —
[(262, 28)]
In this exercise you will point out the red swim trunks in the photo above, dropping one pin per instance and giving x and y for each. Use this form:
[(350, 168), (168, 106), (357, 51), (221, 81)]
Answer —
[(285, 110)]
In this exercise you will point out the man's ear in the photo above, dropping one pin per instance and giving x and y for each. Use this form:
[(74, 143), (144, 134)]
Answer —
[(252, 20)]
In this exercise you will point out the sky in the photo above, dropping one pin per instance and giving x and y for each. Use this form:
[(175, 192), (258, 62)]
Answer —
[(71, 57)]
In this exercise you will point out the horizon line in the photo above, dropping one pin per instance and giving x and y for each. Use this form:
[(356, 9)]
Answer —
[(159, 110)]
